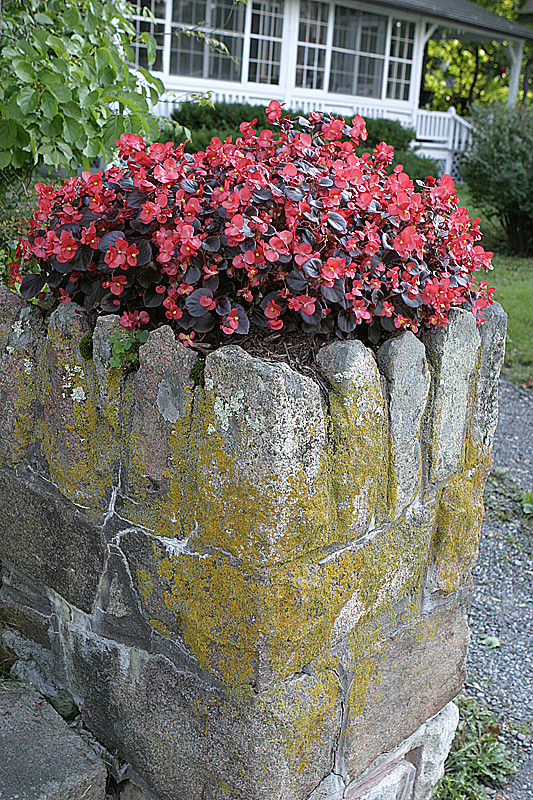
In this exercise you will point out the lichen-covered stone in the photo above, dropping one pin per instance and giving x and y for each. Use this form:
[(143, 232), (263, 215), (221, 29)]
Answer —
[(80, 446), (485, 403), (162, 395), (460, 511), (359, 422), (21, 335), (452, 353), (403, 362), (188, 737), (260, 445)]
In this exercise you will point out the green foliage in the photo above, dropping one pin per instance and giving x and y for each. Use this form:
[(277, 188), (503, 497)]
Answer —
[(499, 170), (390, 131), (85, 346), (197, 373), (459, 72), (527, 503), (125, 347), (64, 77), (477, 760)]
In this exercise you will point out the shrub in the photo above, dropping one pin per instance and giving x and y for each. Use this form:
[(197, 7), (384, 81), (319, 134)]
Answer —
[(390, 131), (280, 232), (499, 170)]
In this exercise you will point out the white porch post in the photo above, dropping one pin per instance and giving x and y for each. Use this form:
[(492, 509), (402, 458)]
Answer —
[(424, 33), (516, 51)]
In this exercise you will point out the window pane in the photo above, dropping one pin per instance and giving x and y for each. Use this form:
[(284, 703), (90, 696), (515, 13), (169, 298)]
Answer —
[(310, 67), (346, 29), (358, 54), (189, 12), (141, 55), (267, 18), (222, 66), (403, 35), (219, 19), (373, 34), (227, 16), (265, 42), (265, 57), (313, 22), (369, 77), (186, 56), (401, 56), (341, 78)]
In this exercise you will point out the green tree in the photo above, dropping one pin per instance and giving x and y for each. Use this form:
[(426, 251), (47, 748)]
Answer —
[(459, 72), (66, 90)]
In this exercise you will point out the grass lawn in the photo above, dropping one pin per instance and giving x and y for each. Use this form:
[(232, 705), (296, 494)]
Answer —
[(512, 278)]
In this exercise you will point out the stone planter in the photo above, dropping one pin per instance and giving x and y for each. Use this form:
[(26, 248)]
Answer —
[(251, 590)]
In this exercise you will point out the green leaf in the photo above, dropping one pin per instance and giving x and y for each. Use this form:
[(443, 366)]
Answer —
[(43, 19), (8, 130), (71, 109), (491, 641), (103, 58), (66, 150), (111, 131), (56, 127), (25, 72), (48, 105), (49, 78), (28, 100), (19, 158), (59, 65), (61, 93), (5, 159), (73, 130), (90, 98), (22, 137), (28, 50), (92, 149), (57, 44)]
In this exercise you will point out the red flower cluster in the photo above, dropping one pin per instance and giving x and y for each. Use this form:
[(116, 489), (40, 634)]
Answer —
[(271, 229)]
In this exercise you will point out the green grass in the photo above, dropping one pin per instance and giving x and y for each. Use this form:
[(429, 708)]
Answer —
[(478, 760), (512, 278)]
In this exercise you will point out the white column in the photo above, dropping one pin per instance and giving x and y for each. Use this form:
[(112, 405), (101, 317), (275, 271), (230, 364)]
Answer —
[(424, 32), (515, 51)]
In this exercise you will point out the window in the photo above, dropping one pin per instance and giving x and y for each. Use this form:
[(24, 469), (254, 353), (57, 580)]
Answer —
[(358, 54), (312, 39), (401, 59), (156, 29), (190, 55), (265, 41)]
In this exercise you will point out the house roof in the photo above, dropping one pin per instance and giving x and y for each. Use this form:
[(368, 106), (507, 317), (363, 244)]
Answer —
[(464, 14)]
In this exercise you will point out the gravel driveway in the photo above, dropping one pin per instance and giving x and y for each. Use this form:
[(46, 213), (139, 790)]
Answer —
[(501, 676)]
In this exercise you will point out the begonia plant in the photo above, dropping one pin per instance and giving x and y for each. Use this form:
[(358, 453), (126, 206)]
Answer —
[(279, 231)]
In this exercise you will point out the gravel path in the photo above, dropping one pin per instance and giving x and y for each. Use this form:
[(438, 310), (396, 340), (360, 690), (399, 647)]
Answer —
[(501, 676)]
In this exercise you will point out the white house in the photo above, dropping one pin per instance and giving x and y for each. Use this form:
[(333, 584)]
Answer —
[(343, 56)]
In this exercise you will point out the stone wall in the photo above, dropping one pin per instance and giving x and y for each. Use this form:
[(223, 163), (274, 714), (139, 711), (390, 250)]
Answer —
[(252, 591)]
